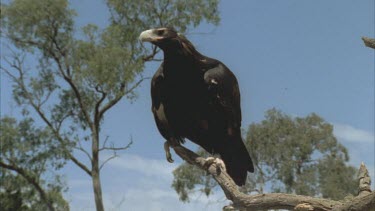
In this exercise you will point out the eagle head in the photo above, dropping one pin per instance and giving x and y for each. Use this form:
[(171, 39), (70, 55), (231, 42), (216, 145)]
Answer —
[(161, 37), (168, 40)]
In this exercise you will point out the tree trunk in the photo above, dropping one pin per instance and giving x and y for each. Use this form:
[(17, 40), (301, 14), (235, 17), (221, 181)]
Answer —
[(96, 173)]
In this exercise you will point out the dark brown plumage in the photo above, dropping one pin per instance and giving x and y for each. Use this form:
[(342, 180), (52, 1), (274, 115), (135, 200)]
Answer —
[(197, 97)]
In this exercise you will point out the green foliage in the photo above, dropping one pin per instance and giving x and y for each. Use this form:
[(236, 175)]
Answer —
[(300, 148), (102, 66), (28, 154), (292, 155), (179, 14), (77, 79), (38, 23), (336, 178), (17, 194), (188, 177)]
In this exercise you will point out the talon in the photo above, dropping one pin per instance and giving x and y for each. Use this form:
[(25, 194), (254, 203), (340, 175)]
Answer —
[(168, 152), (218, 162), (209, 162)]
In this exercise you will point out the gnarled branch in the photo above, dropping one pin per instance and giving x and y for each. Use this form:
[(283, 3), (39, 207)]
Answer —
[(242, 201), (364, 181), (369, 42)]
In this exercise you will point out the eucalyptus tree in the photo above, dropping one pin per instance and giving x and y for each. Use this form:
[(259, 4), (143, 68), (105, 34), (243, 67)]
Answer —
[(291, 154), (70, 82), (30, 157)]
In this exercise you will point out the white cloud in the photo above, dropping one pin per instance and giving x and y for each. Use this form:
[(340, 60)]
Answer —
[(352, 134), (148, 187), (360, 145), (140, 183), (156, 199), (147, 198), (145, 166)]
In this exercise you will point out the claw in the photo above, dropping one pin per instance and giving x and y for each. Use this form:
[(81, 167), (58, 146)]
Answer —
[(218, 162), (209, 162), (168, 152)]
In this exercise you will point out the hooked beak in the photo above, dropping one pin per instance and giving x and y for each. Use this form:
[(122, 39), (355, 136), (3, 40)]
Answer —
[(147, 36)]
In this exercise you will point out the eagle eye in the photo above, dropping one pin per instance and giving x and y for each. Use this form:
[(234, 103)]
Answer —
[(160, 32)]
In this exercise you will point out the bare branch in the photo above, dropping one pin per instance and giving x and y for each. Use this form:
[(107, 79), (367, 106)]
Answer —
[(60, 121), (46, 98), (123, 92), (272, 200), (80, 148), (131, 89), (369, 42), (13, 77), (104, 143), (20, 81), (150, 57), (107, 160), (116, 148)]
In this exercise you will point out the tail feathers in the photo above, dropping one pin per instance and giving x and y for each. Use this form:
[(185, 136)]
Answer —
[(237, 160), (232, 151)]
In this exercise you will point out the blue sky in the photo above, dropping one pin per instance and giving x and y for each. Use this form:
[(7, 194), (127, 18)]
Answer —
[(297, 56)]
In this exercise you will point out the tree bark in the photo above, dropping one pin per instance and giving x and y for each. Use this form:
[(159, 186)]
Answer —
[(95, 173), (261, 202)]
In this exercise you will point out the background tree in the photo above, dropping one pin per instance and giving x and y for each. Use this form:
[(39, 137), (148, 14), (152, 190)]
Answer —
[(77, 79), (29, 160), (291, 155)]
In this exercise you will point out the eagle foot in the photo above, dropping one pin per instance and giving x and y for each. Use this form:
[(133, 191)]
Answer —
[(220, 165), (168, 152), (228, 208)]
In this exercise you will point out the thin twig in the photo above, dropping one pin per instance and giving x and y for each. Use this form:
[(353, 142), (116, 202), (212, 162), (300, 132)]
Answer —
[(150, 57), (20, 81), (61, 121), (122, 93), (104, 147), (105, 142), (80, 148), (107, 160)]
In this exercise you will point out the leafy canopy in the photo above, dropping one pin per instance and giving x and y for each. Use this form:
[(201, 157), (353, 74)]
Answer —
[(293, 155), (69, 78), (92, 72), (28, 156)]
